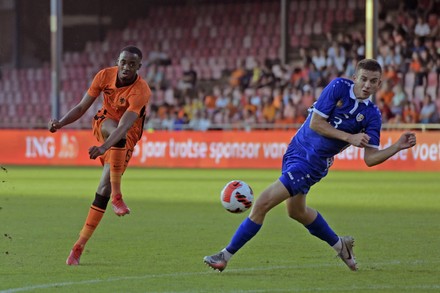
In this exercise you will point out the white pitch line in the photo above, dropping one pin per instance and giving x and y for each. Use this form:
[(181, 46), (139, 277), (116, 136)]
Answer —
[(183, 274)]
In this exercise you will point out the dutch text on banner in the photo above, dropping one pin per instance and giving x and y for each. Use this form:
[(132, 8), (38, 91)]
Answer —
[(211, 149)]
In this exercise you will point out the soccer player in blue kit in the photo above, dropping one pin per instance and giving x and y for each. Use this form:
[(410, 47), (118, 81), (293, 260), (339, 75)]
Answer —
[(343, 115)]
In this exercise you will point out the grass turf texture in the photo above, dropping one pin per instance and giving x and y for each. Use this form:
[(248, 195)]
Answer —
[(177, 218)]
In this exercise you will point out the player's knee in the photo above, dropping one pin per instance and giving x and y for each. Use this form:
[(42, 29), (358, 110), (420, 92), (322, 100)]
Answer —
[(101, 201), (105, 190), (121, 143), (297, 214)]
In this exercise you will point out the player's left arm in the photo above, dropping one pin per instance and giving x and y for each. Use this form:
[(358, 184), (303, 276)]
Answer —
[(374, 156)]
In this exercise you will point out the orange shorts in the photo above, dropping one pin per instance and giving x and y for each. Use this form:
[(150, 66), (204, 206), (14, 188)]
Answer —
[(132, 139)]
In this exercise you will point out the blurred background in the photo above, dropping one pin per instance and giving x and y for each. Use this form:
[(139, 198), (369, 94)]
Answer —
[(216, 65)]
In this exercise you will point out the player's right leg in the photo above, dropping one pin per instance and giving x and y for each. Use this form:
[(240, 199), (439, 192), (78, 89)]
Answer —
[(269, 198), (117, 159), (315, 223)]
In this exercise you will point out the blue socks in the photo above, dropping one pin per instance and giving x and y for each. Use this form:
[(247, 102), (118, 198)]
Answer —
[(249, 229), (244, 233), (322, 230)]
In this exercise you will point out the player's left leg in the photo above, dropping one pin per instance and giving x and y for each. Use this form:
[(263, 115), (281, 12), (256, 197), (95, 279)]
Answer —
[(318, 226)]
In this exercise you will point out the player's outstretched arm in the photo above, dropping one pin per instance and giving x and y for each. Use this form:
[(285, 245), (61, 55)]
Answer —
[(374, 156), (74, 114)]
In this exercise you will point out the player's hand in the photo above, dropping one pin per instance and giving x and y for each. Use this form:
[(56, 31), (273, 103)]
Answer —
[(407, 140), (95, 152), (54, 125), (359, 140)]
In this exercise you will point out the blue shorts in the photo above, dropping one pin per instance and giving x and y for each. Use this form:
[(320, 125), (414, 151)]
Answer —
[(299, 171)]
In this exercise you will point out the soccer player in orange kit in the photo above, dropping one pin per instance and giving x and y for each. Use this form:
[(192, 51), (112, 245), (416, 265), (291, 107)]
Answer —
[(117, 126)]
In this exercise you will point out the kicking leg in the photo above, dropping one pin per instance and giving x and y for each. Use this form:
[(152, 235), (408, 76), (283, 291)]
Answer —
[(118, 161)]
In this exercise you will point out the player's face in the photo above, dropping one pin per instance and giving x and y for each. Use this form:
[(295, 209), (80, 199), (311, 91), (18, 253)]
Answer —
[(366, 83), (128, 65)]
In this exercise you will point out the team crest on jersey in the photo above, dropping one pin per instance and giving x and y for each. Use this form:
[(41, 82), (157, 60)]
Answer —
[(339, 104), (359, 117)]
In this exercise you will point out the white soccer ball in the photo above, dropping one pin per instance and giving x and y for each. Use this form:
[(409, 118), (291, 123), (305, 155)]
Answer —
[(237, 196)]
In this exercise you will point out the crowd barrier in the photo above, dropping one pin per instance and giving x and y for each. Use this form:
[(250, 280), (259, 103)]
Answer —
[(211, 149)]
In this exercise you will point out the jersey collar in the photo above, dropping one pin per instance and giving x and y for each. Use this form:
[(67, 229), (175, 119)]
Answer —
[(352, 95)]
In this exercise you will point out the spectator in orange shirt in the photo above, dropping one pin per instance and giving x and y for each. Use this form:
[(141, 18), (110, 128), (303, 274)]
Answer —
[(269, 110), (237, 75), (410, 113), (386, 93)]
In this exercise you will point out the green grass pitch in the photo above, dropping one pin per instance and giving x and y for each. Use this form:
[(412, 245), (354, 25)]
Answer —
[(177, 218)]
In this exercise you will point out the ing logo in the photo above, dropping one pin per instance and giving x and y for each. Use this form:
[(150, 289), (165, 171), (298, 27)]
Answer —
[(68, 147)]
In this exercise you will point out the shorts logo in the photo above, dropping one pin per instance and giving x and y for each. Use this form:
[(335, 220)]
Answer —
[(290, 176), (339, 104), (359, 117), (122, 101)]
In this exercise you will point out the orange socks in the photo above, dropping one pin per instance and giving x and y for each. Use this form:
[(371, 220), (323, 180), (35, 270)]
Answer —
[(117, 165), (93, 218), (96, 212)]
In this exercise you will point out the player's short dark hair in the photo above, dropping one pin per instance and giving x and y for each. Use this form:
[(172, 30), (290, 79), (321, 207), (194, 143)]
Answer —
[(133, 50), (370, 65)]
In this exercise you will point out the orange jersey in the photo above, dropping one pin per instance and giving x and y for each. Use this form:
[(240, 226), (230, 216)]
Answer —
[(134, 97), (118, 100)]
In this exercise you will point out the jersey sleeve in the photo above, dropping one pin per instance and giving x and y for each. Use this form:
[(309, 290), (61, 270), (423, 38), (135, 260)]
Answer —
[(96, 87), (326, 102), (139, 99), (373, 128)]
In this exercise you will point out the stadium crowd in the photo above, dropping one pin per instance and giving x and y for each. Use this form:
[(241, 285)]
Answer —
[(267, 94)]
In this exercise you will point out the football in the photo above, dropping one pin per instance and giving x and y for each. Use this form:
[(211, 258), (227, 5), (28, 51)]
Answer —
[(237, 196)]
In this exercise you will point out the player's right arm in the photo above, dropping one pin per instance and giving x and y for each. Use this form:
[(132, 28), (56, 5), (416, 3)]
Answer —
[(320, 125), (74, 114)]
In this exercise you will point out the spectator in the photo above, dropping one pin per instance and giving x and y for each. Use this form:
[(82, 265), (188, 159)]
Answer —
[(437, 105), (416, 67), (350, 68), (421, 28), (153, 121), (386, 92), (384, 110), (181, 121), (409, 113), (390, 74), (319, 58), (397, 103), (156, 76), (307, 100), (256, 75), (222, 99), (237, 75), (249, 119), (269, 110), (168, 121), (200, 121), (189, 77), (315, 76), (428, 112)]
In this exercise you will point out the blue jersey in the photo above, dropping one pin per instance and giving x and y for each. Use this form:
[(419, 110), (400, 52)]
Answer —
[(309, 154)]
